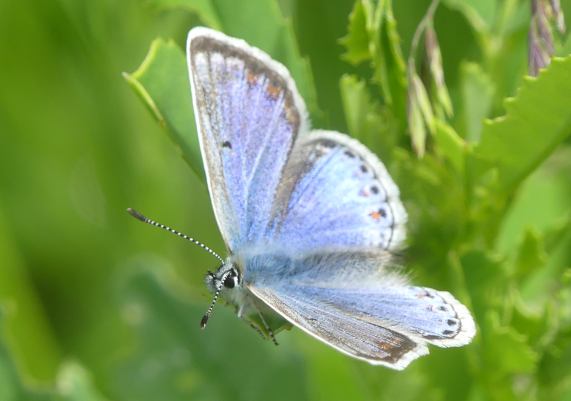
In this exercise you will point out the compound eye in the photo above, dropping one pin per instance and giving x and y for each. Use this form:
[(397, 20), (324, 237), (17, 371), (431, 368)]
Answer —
[(230, 281)]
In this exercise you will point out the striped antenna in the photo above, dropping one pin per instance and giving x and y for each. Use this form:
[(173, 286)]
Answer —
[(144, 219), (208, 313)]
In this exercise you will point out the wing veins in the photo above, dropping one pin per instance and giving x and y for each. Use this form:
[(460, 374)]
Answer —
[(311, 181)]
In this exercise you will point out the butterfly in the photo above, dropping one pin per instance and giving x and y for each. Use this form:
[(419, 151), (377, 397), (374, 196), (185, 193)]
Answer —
[(310, 219)]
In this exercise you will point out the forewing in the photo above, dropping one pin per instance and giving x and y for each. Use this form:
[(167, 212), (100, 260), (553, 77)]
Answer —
[(248, 114), (337, 195)]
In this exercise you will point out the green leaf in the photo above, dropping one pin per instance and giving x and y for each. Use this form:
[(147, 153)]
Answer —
[(554, 373), (549, 255), (506, 351), (477, 95), (553, 376), (319, 44), (537, 120), (505, 356), (162, 84), (356, 42), (205, 9), (530, 255), (389, 64), (480, 13), (394, 40), (366, 119), (372, 35), (487, 282), (549, 213), (539, 324), (450, 144)]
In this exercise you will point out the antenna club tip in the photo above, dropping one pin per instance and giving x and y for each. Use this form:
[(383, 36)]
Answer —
[(136, 215), (203, 321)]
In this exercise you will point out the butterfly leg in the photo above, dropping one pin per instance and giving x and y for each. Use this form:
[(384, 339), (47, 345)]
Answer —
[(258, 330), (267, 327)]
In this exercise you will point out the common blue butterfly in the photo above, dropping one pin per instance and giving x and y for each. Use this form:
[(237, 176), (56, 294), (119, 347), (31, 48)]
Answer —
[(310, 218)]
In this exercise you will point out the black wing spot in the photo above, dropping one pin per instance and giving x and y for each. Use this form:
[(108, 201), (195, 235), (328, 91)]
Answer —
[(328, 143), (349, 153), (364, 168), (451, 322), (227, 144), (447, 332), (443, 308), (375, 189)]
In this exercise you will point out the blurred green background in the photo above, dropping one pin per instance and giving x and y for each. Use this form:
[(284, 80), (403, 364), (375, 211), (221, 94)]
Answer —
[(95, 306)]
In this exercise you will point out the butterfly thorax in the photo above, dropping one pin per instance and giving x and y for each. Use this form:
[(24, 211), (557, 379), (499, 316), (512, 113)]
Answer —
[(231, 281), (233, 278)]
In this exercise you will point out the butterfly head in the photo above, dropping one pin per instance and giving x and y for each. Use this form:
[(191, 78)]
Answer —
[(226, 279)]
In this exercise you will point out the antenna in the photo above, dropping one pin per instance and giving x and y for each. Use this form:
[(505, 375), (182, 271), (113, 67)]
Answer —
[(144, 219), (219, 285)]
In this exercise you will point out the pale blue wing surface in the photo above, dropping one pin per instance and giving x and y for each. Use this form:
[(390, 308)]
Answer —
[(353, 302), (337, 195), (420, 312), (360, 339), (248, 114)]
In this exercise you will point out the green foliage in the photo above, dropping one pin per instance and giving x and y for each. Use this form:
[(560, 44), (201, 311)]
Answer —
[(366, 119), (477, 92), (372, 36), (158, 82), (536, 122), (90, 307), (72, 383)]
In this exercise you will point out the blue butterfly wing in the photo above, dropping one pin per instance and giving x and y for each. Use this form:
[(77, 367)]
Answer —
[(376, 344), (248, 115), (337, 195), (354, 303), (433, 316)]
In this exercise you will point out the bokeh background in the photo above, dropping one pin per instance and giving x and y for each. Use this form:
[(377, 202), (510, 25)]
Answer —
[(96, 306)]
